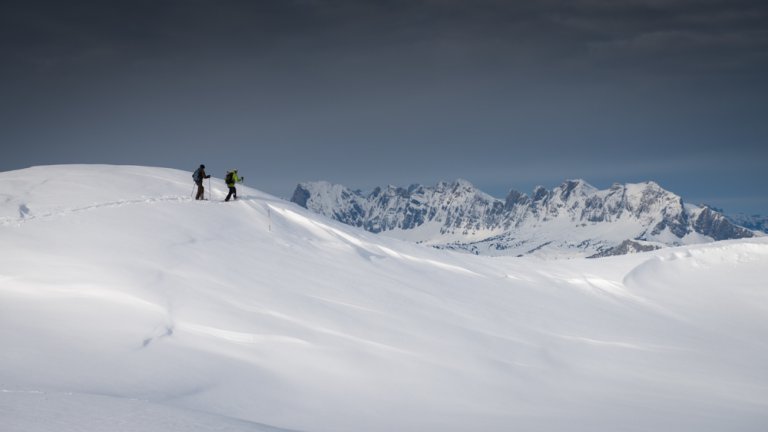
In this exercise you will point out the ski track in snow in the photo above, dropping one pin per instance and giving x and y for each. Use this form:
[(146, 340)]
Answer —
[(27, 216)]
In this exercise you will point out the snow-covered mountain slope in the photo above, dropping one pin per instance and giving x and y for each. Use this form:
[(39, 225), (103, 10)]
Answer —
[(127, 306), (573, 219), (754, 222)]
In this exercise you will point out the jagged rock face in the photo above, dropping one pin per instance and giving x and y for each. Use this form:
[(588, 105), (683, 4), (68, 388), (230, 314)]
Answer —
[(572, 217), (626, 247), (718, 226), (752, 222)]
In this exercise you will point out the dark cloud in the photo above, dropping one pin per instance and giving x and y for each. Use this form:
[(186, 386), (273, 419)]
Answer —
[(500, 36), (368, 92)]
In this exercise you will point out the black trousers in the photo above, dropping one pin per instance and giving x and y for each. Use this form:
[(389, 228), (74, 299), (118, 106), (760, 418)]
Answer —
[(232, 191)]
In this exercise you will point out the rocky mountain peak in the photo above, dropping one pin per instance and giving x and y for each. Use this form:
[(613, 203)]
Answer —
[(540, 193), (516, 198)]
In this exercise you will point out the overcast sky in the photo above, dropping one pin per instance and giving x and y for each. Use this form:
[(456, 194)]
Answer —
[(506, 94)]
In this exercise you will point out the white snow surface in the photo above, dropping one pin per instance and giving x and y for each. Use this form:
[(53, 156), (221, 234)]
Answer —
[(127, 306)]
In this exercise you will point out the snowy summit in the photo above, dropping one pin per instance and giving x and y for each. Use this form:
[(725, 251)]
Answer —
[(126, 305)]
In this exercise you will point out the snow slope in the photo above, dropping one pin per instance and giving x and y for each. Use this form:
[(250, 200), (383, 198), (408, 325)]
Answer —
[(127, 306)]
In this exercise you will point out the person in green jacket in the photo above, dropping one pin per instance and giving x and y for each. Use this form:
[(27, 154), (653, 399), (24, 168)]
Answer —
[(231, 179)]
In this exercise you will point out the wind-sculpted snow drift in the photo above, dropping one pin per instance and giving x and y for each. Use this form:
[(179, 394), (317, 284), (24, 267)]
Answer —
[(573, 219), (125, 305)]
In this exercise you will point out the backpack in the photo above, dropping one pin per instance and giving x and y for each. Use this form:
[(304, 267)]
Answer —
[(230, 178), (197, 177)]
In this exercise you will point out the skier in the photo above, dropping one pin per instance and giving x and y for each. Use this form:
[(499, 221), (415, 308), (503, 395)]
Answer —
[(199, 176), (231, 179)]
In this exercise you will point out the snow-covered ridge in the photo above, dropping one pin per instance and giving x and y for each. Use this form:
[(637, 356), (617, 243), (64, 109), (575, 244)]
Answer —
[(126, 305), (754, 222), (573, 219)]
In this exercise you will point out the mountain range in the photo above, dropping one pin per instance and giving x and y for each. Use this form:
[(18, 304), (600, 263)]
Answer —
[(573, 219)]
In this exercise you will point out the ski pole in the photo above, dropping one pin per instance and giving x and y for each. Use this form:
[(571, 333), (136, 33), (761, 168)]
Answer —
[(210, 196), (192, 195)]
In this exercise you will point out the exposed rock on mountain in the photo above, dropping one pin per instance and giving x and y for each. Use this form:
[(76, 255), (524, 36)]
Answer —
[(754, 222), (626, 247), (573, 219)]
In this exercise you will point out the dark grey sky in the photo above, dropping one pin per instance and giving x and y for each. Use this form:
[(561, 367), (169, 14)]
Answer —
[(507, 94)]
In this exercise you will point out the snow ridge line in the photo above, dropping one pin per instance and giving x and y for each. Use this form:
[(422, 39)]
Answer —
[(24, 209)]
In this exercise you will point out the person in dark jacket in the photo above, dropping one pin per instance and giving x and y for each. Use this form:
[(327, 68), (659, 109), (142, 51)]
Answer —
[(232, 178), (199, 176)]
